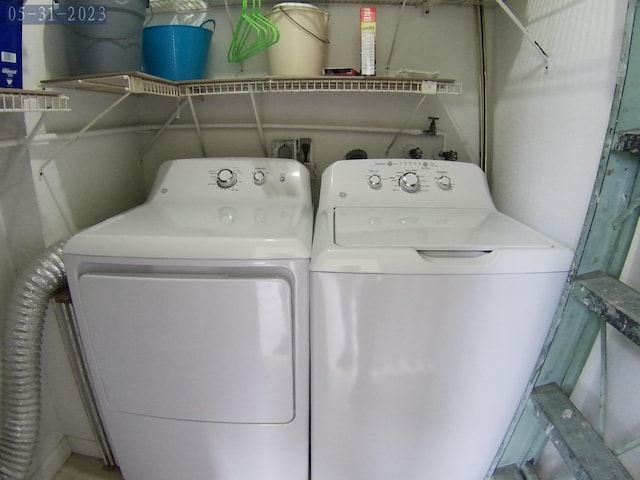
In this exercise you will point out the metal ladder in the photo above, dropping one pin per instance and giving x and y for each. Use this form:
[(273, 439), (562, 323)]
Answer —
[(592, 295)]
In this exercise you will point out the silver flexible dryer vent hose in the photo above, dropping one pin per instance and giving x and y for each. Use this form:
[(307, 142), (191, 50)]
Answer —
[(21, 353)]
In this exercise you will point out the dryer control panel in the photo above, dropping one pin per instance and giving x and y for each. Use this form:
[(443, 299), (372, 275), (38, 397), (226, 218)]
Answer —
[(404, 182), (256, 180)]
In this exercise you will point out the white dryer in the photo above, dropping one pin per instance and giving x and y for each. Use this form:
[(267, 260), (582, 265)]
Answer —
[(428, 311), (193, 313)]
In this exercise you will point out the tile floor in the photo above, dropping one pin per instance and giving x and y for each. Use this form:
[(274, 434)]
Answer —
[(79, 467)]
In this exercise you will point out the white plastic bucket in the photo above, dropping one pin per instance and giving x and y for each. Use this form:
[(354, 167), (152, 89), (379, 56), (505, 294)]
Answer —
[(302, 48)]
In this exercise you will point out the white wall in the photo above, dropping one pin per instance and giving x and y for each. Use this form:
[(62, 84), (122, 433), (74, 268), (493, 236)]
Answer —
[(20, 240), (98, 180), (548, 133), (548, 129)]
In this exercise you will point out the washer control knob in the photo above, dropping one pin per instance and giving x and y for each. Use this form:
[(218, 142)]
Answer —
[(444, 182), (259, 177), (409, 182), (375, 182), (226, 178)]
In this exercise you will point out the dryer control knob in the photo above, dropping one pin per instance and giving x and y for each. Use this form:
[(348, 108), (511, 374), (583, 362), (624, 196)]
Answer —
[(375, 182), (444, 182), (409, 182), (226, 178), (259, 177)]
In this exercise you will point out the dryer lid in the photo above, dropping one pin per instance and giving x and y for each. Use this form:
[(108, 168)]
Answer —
[(451, 229), (188, 230)]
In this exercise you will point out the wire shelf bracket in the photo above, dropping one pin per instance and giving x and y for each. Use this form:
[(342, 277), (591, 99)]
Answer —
[(525, 32)]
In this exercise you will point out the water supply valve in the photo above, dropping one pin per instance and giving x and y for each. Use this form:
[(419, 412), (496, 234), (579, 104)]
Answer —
[(433, 128), (449, 155)]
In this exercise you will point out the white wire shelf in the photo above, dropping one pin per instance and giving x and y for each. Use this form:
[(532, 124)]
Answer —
[(162, 6), (133, 82), (159, 6), (322, 84), (16, 100), (138, 83)]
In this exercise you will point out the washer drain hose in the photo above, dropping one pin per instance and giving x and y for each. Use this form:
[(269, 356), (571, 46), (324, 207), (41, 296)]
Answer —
[(21, 354)]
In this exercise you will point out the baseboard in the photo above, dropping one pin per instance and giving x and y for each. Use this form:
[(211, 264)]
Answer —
[(53, 463), (82, 446)]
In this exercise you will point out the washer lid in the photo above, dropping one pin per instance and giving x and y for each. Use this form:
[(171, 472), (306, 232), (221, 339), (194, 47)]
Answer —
[(188, 230), (450, 229)]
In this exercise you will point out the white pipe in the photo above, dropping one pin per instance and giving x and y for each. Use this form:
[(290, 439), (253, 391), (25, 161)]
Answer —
[(283, 126), (47, 138), (437, 153)]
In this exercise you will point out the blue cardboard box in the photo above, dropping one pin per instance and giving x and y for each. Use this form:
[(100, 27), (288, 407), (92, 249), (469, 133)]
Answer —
[(10, 44)]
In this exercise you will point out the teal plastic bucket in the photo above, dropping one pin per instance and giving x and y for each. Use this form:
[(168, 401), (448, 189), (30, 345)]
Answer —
[(177, 52)]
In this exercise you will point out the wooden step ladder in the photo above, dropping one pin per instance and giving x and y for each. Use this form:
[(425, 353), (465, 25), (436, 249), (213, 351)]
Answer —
[(580, 446), (592, 295)]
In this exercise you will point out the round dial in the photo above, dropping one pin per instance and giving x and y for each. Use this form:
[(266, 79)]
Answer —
[(259, 177), (226, 178), (409, 182), (444, 182), (375, 181)]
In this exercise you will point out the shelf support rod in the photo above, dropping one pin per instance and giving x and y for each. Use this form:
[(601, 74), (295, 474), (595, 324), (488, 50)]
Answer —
[(197, 125), (525, 32), (395, 34), (258, 122), (81, 132), (27, 141), (176, 114)]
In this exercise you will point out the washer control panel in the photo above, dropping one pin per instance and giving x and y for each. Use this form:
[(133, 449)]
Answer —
[(410, 179), (404, 182)]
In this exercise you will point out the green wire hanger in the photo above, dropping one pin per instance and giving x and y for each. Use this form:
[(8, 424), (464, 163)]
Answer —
[(253, 33)]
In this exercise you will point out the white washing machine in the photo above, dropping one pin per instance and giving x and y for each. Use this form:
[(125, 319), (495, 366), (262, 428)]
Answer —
[(193, 310), (428, 311)]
